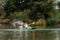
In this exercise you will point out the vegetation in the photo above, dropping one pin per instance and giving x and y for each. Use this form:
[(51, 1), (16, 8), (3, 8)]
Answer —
[(59, 5), (31, 11), (28, 9)]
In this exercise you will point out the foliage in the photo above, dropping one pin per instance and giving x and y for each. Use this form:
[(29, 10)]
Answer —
[(28, 10), (34, 5), (16, 5), (59, 5), (42, 8)]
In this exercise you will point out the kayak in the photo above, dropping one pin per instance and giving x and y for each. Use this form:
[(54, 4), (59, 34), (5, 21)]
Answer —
[(29, 28)]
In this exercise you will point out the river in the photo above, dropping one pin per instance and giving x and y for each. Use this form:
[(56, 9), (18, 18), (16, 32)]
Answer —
[(30, 35)]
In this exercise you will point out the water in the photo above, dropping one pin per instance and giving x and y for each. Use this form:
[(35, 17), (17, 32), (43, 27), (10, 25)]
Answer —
[(30, 35)]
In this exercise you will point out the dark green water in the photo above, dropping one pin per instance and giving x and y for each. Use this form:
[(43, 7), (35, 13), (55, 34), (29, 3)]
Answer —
[(30, 35)]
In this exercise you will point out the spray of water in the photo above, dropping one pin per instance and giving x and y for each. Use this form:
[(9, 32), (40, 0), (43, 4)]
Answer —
[(14, 23), (22, 24)]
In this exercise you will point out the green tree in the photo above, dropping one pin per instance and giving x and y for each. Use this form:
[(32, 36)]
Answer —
[(43, 8), (16, 5), (38, 8), (59, 5)]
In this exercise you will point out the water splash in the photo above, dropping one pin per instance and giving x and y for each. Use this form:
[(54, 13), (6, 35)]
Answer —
[(15, 22), (20, 24)]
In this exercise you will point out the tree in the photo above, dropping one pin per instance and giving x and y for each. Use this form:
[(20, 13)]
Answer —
[(43, 8), (59, 5), (38, 8), (16, 5)]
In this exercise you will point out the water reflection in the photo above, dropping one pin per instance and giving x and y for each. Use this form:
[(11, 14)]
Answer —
[(30, 35), (57, 35)]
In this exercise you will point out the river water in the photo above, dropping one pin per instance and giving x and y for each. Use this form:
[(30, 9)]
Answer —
[(30, 35)]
